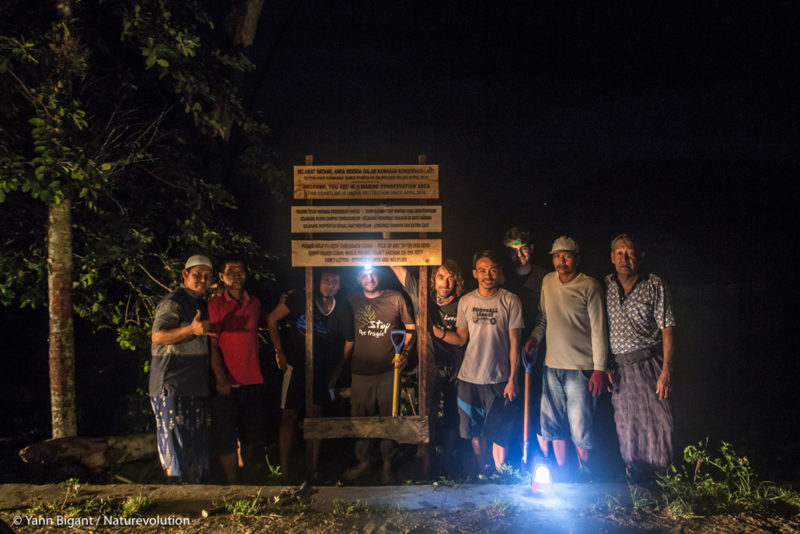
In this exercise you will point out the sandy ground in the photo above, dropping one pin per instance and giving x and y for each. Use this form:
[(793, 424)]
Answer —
[(386, 509)]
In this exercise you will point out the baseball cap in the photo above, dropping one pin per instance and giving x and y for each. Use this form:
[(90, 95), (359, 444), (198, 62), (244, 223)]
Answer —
[(565, 244), (197, 259)]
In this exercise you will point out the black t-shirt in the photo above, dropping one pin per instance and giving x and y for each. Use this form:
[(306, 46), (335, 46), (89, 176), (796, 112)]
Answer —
[(375, 318), (528, 288), (444, 317), (330, 333)]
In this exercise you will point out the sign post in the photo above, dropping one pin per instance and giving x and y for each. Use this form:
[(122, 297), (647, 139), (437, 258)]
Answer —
[(369, 183)]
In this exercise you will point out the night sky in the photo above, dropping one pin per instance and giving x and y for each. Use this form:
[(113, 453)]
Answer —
[(679, 126)]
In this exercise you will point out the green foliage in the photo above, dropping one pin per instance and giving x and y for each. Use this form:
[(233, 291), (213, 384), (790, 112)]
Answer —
[(134, 506), (72, 505), (707, 483), (274, 470), (118, 106), (253, 506), (347, 507)]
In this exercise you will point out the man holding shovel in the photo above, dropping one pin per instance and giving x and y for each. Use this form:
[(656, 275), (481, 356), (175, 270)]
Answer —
[(490, 318), (573, 316), (376, 312)]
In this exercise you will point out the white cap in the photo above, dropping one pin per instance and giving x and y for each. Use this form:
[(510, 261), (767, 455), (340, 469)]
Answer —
[(565, 244), (197, 259)]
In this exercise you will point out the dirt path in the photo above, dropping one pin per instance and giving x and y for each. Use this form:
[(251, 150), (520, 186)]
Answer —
[(397, 509)]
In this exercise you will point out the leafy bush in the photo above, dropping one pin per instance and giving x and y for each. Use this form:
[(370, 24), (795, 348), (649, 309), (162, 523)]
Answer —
[(708, 483)]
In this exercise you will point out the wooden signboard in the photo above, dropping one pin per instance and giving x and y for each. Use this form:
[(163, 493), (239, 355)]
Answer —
[(348, 182), (348, 219), (355, 253)]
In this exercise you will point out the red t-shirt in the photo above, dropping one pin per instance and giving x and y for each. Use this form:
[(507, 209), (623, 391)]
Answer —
[(236, 324)]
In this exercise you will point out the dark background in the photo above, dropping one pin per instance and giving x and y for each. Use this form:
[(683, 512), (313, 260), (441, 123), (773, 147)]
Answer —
[(678, 125)]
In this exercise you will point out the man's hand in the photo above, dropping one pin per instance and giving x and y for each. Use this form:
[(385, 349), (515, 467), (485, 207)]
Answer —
[(530, 346), (663, 386), (400, 360), (511, 390), (225, 384), (598, 383), (280, 359), (201, 328)]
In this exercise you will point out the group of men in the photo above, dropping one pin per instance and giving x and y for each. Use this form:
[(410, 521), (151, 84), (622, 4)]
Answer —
[(476, 345)]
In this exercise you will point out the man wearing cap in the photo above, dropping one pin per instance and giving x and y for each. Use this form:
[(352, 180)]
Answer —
[(179, 371), (641, 331), (573, 317), (376, 312)]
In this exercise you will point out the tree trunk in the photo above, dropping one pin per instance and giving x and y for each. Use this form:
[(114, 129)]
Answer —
[(241, 26), (243, 21), (62, 331)]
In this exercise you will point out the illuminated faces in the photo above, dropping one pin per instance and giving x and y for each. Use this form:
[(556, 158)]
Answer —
[(626, 258), (488, 274), (329, 285), (368, 280), (566, 264), (234, 275), (197, 278), (444, 283), (520, 254)]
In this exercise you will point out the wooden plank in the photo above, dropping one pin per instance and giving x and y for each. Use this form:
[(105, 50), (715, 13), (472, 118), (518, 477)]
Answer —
[(309, 340), (309, 321), (349, 253), (349, 219), (422, 340), (345, 182), (402, 429)]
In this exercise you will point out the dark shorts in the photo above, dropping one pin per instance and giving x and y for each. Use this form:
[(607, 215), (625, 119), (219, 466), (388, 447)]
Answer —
[(182, 435), (474, 402), (238, 416), (293, 394)]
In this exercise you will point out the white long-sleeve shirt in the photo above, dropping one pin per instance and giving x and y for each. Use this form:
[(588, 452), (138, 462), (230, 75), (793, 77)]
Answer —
[(574, 319)]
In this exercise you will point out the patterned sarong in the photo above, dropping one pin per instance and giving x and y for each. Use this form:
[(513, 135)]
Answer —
[(644, 423), (182, 435)]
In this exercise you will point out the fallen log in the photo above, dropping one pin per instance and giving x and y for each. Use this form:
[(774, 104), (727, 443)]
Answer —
[(94, 453), (406, 429)]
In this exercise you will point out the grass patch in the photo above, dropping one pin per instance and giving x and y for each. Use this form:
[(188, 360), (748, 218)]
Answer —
[(253, 506), (500, 508), (259, 506), (74, 505), (709, 482), (346, 507)]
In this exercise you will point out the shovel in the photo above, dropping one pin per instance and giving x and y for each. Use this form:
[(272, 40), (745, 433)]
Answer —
[(398, 338)]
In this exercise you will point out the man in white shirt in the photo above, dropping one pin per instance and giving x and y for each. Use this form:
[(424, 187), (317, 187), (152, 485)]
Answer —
[(573, 317)]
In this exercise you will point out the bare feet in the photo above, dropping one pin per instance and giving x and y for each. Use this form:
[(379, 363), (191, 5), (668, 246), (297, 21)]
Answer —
[(356, 472)]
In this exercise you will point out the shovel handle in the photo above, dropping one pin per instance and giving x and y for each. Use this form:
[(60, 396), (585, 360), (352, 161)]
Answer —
[(396, 387)]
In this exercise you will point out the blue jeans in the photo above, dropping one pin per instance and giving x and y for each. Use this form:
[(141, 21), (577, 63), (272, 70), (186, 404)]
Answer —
[(567, 406)]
